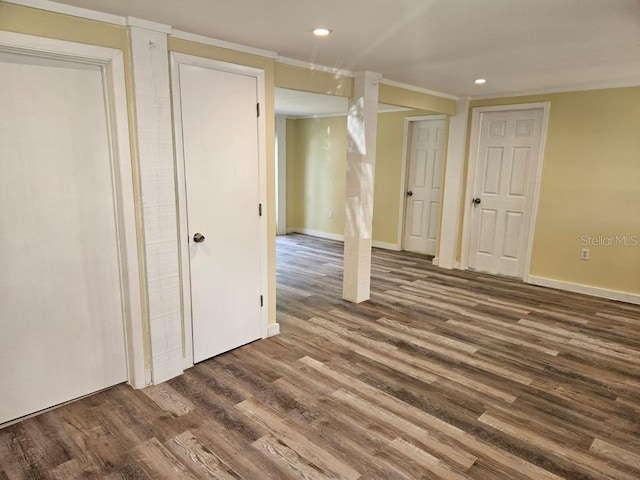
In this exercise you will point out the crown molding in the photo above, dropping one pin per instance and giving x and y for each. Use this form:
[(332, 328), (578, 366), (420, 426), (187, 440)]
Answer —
[(580, 88), (192, 37), (71, 10), (312, 66), (413, 88)]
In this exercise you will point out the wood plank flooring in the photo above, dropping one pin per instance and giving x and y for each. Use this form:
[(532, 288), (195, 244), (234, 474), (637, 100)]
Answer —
[(442, 375)]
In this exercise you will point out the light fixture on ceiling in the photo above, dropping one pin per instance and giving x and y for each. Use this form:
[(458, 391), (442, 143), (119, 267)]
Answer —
[(321, 32), (480, 81)]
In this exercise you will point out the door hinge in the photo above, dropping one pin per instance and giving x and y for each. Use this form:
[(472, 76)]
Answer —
[(261, 301), (260, 209), (258, 108)]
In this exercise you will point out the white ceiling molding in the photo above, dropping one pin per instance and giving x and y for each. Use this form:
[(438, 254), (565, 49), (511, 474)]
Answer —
[(418, 89), (71, 10), (147, 25), (192, 37), (312, 66), (580, 88)]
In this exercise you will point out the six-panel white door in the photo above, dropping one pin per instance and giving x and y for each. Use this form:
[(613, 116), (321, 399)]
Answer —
[(61, 309), (507, 158), (220, 152), (424, 186)]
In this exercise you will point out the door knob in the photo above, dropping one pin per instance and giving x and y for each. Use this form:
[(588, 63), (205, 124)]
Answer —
[(410, 193), (476, 201), (198, 238)]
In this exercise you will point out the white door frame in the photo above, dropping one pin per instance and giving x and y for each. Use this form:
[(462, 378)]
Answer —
[(112, 64), (178, 59), (404, 176), (471, 178)]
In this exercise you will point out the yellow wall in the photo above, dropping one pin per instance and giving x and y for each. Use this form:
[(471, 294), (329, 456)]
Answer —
[(590, 186), (417, 100), (311, 80), (319, 173), (316, 174)]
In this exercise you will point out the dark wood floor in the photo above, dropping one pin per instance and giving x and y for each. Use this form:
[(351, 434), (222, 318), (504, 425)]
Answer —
[(442, 375)]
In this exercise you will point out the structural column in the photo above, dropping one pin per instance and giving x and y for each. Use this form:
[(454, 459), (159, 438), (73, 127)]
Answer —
[(362, 121), (156, 170)]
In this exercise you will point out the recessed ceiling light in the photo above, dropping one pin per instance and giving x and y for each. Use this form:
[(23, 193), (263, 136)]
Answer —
[(480, 81), (321, 32)]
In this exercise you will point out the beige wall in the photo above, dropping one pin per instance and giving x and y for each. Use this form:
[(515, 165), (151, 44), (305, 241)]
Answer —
[(318, 168), (590, 186), (316, 174), (417, 100)]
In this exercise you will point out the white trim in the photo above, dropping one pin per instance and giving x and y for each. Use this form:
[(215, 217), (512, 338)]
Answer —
[(148, 25), (452, 186), (312, 66), (112, 63), (535, 201), (435, 262), (391, 83), (406, 153), (70, 10), (548, 91), (471, 177), (192, 37), (273, 330), (585, 289), (386, 246), (259, 74)]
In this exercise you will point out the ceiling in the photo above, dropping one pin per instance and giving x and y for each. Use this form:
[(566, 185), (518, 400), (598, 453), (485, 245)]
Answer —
[(442, 45)]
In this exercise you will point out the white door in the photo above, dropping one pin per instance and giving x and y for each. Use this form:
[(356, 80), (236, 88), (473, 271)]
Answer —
[(61, 310), (507, 160), (220, 151), (424, 186)]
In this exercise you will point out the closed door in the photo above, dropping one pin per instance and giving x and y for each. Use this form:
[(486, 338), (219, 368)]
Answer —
[(424, 186), (61, 307), (220, 151), (507, 160)]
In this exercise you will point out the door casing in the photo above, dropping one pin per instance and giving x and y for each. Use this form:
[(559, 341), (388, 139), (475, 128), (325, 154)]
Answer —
[(178, 59), (471, 178)]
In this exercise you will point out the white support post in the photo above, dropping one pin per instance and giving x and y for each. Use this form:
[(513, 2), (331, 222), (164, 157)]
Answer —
[(361, 159), (453, 188), (154, 141)]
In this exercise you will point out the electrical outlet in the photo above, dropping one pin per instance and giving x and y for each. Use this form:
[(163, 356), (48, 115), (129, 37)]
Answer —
[(330, 213), (584, 254)]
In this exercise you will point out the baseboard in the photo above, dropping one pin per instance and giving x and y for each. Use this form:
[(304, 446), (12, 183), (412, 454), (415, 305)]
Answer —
[(585, 289), (340, 238), (273, 330), (319, 234), (435, 261), (386, 246)]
